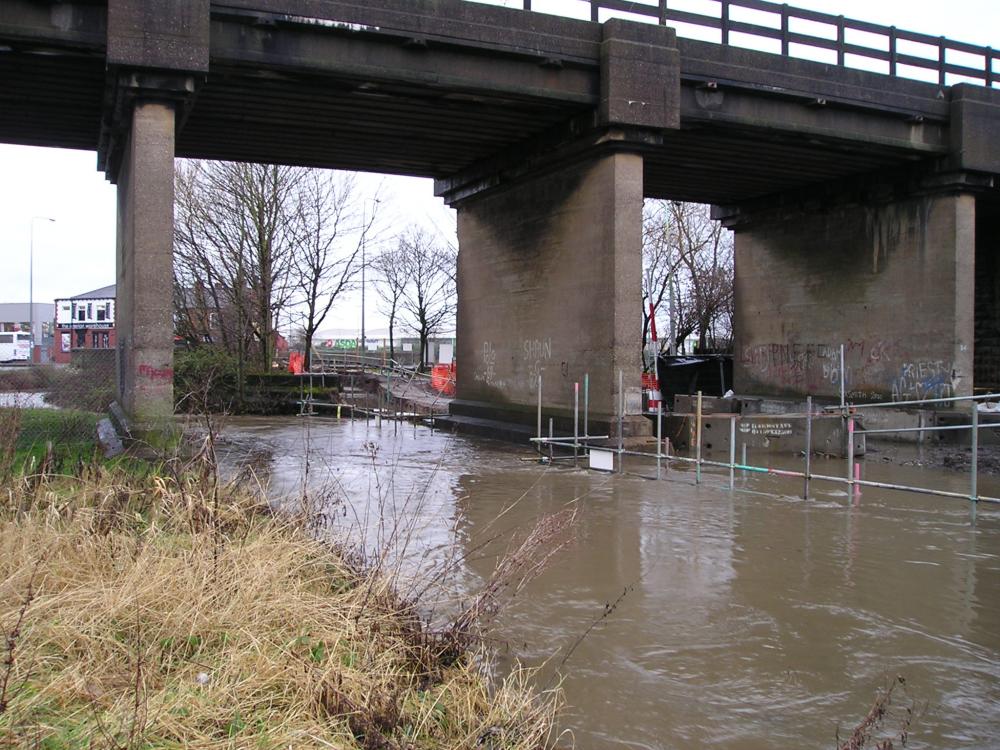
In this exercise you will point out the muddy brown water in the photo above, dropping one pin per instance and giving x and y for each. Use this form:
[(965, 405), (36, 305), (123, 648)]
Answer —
[(750, 619)]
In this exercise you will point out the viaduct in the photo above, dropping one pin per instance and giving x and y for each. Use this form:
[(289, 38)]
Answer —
[(866, 206)]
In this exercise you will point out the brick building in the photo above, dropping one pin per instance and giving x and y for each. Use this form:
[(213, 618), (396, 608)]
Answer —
[(86, 321)]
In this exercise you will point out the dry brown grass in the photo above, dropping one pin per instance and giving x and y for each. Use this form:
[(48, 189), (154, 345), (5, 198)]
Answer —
[(142, 613)]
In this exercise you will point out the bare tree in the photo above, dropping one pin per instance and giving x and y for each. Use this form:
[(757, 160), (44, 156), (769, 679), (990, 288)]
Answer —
[(688, 260), (332, 227), (428, 298), (390, 285), (660, 260), (235, 235), (707, 254)]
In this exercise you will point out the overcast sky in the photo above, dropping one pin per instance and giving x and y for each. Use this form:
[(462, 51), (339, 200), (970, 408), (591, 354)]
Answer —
[(76, 253)]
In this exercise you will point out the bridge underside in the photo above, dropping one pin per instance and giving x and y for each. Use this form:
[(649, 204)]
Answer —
[(545, 133)]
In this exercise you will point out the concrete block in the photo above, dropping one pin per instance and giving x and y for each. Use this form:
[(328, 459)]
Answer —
[(778, 434), (107, 438), (975, 128), (640, 76), (687, 404)]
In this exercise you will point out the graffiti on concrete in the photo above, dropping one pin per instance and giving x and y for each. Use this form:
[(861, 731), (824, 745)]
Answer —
[(874, 369), (924, 379), (486, 371), (155, 373), (817, 365), (537, 352)]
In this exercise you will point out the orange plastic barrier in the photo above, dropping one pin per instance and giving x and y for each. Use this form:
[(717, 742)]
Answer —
[(443, 379), (296, 363)]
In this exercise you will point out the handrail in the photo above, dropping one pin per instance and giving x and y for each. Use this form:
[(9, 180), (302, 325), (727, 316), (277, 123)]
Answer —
[(784, 17)]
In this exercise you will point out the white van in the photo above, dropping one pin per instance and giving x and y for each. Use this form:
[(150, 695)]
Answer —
[(15, 347)]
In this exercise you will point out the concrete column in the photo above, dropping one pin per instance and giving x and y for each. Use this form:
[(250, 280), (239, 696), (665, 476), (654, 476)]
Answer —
[(893, 283), (145, 265), (549, 281)]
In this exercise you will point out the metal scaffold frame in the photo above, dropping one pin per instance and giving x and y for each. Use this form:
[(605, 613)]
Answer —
[(584, 443)]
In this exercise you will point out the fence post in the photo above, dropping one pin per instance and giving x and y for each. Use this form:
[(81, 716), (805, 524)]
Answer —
[(843, 380), (576, 423), (595, 6), (989, 67), (841, 40), (974, 496), (809, 435), (732, 452), (941, 62), (586, 405), (697, 440), (540, 411), (892, 50), (850, 456), (724, 21), (663, 12), (784, 29), (659, 435), (621, 422)]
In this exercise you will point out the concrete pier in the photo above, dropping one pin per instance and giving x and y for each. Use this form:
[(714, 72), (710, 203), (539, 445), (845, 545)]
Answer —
[(548, 283), (891, 281), (145, 260)]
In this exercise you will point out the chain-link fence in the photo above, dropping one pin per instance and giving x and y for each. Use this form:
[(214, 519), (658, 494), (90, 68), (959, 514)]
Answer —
[(49, 413)]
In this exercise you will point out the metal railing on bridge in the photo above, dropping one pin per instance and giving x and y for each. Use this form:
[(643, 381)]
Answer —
[(808, 34)]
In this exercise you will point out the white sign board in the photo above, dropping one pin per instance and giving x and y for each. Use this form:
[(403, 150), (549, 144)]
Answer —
[(407, 347), (602, 460), (446, 353)]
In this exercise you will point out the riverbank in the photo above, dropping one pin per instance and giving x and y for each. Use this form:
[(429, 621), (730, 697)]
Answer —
[(170, 611)]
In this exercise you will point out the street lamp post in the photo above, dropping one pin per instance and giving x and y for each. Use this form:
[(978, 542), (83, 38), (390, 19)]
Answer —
[(364, 239), (364, 235), (31, 282)]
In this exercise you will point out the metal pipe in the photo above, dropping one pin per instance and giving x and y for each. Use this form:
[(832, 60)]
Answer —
[(659, 435), (982, 397), (809, 435), (732, 452), (842, 480), (743, 457), (843, 389), (944, 428), (586, 402), (568, 440), (801, 475), (974, 496), (697, 439), (850, 452), (540, 405), (551, 448), (621, 420), (576, 423)]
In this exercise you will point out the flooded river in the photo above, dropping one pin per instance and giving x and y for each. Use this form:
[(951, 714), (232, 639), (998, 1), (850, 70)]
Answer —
[(749, 619)]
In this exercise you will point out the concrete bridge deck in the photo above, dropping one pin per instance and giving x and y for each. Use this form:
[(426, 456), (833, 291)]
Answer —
[(440, 89)]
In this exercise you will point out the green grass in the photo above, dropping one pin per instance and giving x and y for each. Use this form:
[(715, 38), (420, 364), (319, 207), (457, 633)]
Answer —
[(72, 434)]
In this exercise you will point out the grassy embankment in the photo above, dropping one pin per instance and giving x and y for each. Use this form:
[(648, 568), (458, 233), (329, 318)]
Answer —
[(150, 611), (57, 440)]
